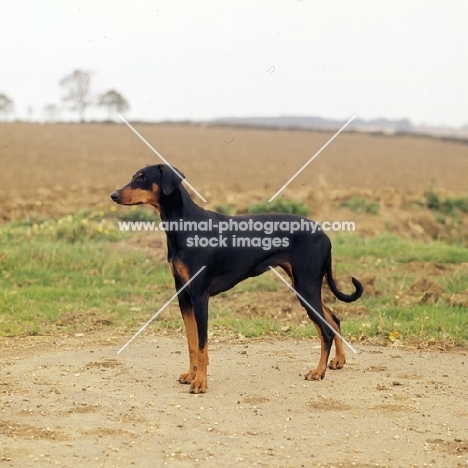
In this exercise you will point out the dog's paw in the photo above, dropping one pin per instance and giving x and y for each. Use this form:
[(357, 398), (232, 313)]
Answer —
[(186, 378), (198, 386), (315, 374), (337, 363)]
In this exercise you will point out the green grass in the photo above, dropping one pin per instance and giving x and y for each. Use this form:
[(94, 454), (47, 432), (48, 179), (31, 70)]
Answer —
[(81, 273), (279, 205), (387, 258), (448, 206), (226, 208), (420, 322), (68, 267), (360, 205), (397, 249), (40, 281), (138, 213)]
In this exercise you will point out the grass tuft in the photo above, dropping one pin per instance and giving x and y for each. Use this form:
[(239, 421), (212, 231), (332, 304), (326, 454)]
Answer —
[(279, 205), (361, 205)]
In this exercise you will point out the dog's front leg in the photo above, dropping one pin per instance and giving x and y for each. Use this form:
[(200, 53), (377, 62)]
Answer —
[(188, 315), (200, 307)]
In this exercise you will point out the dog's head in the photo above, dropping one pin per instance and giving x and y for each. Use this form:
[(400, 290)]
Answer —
[(148, 184)]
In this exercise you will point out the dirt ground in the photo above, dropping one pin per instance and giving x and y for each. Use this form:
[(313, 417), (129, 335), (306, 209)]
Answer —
[(73, 401)]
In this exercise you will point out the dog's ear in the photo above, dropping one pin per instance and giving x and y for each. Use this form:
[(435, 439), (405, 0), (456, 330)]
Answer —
[(171, 178)]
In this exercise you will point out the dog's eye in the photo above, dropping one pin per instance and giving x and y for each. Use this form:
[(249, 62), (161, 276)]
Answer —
[(141, 177)]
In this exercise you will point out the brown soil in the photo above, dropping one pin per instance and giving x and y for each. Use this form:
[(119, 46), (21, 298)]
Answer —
[(56, 169), (72, 401)]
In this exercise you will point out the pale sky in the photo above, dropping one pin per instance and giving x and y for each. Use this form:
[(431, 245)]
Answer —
[(185, 59)]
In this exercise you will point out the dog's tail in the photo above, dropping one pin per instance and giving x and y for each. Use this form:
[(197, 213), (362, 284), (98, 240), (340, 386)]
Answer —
[(342, 296)]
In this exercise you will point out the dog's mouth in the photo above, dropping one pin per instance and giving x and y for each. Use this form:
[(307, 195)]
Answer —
[(130, 196), (117, 198)]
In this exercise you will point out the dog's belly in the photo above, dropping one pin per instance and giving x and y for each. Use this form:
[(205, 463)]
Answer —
[(232, 272)]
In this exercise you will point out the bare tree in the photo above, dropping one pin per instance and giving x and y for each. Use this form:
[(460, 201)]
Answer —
[(77, 85), (6, 105), (114, 102)]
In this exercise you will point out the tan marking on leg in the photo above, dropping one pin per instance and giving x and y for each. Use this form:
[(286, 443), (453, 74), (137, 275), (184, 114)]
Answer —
[(340, 359), (287, 267), (197, 358), (182, 270), (319, 372), (200, 383), (192, 341)]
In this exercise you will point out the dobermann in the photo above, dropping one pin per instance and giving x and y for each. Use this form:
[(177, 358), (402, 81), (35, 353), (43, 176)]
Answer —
[(246, 251)]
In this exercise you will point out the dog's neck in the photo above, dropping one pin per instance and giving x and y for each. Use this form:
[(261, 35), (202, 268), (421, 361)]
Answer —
[(178, 205)]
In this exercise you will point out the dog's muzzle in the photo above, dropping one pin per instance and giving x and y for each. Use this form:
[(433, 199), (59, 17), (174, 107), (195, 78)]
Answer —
[(115, 196)]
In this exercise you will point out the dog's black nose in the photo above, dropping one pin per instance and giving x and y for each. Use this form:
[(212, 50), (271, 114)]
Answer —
[(115, 196)]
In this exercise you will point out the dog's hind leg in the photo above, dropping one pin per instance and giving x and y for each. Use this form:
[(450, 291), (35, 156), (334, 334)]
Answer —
[(340, 359), (313, 306)]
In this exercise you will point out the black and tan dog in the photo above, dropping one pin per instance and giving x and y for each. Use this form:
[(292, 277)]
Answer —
[(241, 251)]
